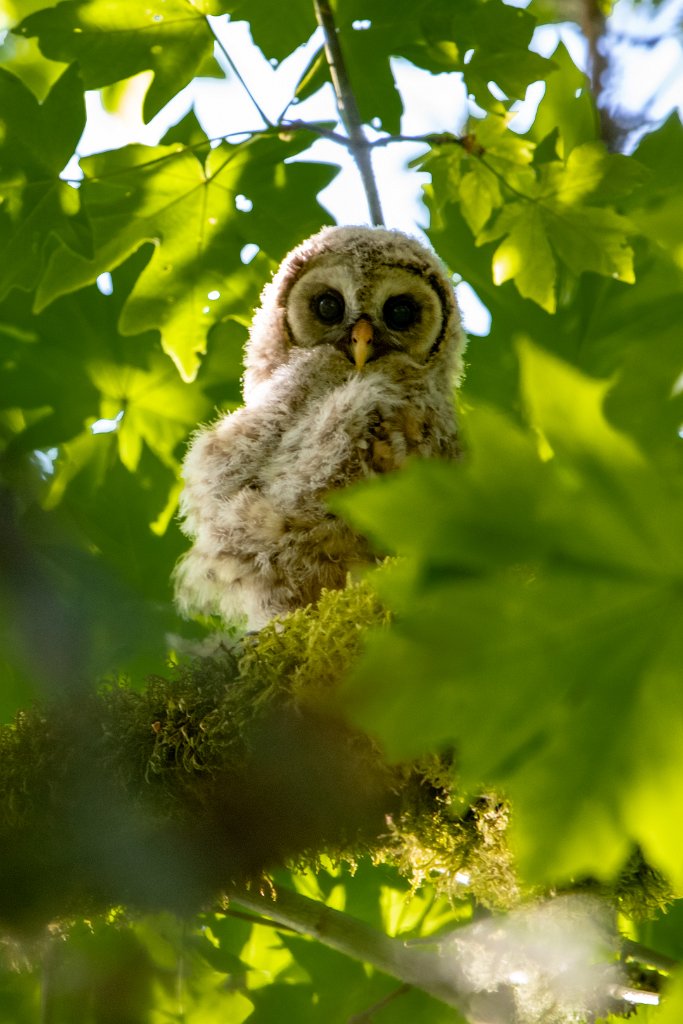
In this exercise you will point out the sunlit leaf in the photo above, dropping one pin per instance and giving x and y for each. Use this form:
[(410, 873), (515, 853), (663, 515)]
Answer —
[(590, 173), (188, 211), (480, 195), (672, 1005), (567, 103), (599, 244), (537, 625), (157, 408), (553, 221), (524, 255), (114, 41)]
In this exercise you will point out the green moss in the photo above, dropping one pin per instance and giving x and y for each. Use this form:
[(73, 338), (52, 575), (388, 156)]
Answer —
[(308, 652), (229, 767)]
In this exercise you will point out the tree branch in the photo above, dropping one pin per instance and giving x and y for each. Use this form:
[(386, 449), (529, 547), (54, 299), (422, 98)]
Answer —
[(352, 937), (649, 957), (443, 966), (593, 25), (348, 108)]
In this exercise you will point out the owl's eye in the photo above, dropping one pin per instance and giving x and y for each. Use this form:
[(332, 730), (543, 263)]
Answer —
[(329, 307), (400, 312)]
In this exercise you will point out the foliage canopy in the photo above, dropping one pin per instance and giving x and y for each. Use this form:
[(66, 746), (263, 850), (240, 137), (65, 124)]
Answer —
[(536, 608)]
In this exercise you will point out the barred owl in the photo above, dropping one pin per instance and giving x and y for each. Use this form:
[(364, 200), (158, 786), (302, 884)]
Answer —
[(350, 368)]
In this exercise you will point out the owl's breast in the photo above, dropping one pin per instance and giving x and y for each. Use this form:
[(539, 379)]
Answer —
[(366, 424)]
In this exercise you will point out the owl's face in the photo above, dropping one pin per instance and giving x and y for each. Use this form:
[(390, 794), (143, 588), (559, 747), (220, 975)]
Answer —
[(365, 311), (375, 296)]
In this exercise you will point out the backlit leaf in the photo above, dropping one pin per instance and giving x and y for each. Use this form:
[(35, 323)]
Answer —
[(164, 195), (540, 635), (567, 103), (499, 50), (524, 255), (115, 41)]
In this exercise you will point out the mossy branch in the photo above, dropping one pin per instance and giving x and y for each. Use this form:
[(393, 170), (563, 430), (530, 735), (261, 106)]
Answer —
[(228, 768), (199, 785), (348, 108)]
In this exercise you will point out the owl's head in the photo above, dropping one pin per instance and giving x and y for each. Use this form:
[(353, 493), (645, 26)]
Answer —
[(369, 294)]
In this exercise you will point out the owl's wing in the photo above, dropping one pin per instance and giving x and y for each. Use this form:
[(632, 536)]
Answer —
[(223, 462), (220, 461), (234, 452), (360, 428)]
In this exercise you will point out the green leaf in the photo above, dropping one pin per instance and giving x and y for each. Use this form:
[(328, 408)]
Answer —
[(595, 789), (524, 255), (432, 36), (611, 519), (538, 625), (277, 37), (656, 208), (587, 238), (474, 169), (73, 340), (36, 206), (590, 172), (40, 354), (165, 196), (550, 222), (158, 409), (499, 43), (638, 333), (567, 104), (172, 38), (672, 1004), (480, 195), (367, 50)]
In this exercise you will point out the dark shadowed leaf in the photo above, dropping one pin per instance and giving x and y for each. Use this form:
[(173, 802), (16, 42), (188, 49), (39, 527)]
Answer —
[(36, 206)]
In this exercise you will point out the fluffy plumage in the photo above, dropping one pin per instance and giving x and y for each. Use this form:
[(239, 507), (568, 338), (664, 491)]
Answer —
[(350, 367)]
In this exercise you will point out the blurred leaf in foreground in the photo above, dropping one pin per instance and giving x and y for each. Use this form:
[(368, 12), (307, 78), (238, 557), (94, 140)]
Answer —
[(538, 626)]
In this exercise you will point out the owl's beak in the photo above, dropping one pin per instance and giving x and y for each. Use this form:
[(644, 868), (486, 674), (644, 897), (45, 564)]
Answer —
[(362, 337)]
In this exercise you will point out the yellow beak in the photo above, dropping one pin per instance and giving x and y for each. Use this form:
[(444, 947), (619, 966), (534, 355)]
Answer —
[(361, 343)]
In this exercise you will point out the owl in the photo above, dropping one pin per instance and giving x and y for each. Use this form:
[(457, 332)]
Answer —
[(350, 368)]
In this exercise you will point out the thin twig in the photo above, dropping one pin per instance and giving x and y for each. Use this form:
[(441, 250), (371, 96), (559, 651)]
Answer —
[(648, 957), (235, 70), (365, 1017), (348, 108), (428, 139), (246, 137), (305, 72), (318, 129)]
